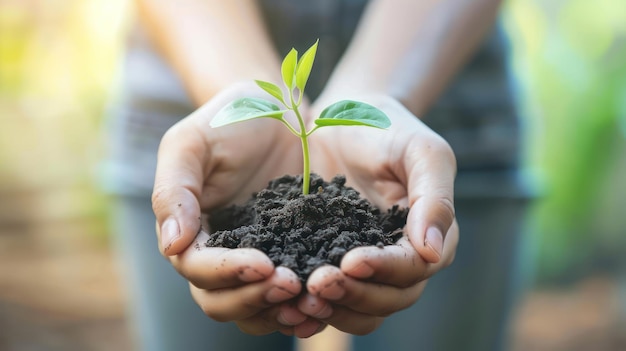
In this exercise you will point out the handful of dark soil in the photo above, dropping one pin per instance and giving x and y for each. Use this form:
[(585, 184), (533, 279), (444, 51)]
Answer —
[(303, 232)]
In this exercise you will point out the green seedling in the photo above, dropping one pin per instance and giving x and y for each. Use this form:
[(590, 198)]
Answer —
[(295, 74)]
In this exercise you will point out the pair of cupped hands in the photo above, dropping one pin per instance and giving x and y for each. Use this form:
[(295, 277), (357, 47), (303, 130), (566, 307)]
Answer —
[(201, 168)]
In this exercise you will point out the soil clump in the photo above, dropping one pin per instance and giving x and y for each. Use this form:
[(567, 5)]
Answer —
[(303, 232)]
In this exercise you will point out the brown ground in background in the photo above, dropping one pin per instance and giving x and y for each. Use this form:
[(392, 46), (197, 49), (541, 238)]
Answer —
[(59, 290)]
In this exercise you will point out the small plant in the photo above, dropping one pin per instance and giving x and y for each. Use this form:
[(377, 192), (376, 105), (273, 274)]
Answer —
[(295, 74)]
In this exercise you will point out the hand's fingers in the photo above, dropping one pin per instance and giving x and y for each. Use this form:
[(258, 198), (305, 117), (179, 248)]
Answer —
[(315, 306), (431, 169), (352, 322), (285, 318), (216, 267), (398, 265), (281, 317), (225, 305), (308, 328), (328, 282), (340, 317)]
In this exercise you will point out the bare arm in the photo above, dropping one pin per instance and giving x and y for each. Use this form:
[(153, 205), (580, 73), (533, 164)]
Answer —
[(211, 44), (411, 49)]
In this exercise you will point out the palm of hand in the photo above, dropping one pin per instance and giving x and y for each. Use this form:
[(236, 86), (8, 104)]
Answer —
[(376, 162), (243, 158)]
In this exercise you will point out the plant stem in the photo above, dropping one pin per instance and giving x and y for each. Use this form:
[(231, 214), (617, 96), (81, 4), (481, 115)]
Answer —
[(306, 174)]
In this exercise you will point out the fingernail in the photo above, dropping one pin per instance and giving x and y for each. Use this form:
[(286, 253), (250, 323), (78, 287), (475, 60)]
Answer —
[(170, 232), (434, 240)]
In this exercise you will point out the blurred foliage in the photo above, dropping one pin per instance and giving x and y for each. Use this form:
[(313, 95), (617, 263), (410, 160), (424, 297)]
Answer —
[(570, 59), (57, 66)]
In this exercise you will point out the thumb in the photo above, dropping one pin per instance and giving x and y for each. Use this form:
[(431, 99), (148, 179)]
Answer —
[(177, 187), (431, 196), (430, 219)]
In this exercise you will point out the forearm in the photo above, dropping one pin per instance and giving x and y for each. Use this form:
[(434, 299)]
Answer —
[(411, 49), (211, 44)]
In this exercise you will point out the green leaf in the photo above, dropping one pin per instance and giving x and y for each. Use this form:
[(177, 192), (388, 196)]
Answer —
[(303, 69), (245, 109), (288, 68), (271, 89), (352, 113)]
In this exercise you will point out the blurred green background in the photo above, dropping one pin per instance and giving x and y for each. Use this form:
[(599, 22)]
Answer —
[(569, 58), (58, 66), (58, 63)]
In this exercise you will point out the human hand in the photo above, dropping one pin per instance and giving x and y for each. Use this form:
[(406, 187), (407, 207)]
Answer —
[(199, 169), (409, 165)]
